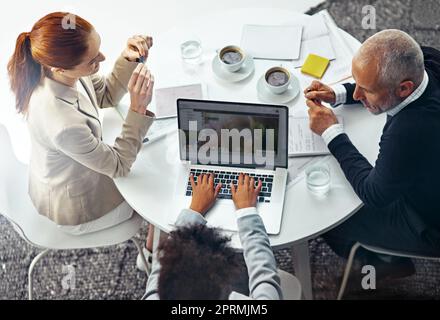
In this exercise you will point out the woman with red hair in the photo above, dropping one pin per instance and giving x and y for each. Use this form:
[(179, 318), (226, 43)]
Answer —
[(53, 73)]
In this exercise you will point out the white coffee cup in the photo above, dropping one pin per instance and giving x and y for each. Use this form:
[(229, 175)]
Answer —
[(231, 58), (277, 79)]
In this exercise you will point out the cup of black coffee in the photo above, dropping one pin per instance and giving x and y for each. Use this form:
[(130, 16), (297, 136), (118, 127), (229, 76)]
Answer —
[(277, 79), (231, 58)]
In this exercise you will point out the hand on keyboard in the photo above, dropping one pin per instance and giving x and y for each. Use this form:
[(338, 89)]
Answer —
[(203, 193), (245, 194)]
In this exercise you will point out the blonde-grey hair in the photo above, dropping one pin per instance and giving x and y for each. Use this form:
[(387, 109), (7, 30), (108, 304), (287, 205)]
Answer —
[(397, 55)]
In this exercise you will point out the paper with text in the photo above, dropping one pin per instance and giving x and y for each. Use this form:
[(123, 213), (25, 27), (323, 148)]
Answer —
[(165, 99), (302, 141)]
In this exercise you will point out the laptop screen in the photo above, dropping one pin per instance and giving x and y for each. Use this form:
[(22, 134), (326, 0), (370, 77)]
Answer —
[(232, 133)]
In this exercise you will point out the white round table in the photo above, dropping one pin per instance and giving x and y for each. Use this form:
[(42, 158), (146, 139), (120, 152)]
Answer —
[(149, 188)]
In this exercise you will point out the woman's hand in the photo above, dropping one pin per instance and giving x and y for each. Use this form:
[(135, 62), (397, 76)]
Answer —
[(137, 47), (245, 193), (204, 193), (140, 88)]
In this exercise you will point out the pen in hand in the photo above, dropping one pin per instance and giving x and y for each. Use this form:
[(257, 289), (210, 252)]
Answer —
[(141, 59), (316, 101)]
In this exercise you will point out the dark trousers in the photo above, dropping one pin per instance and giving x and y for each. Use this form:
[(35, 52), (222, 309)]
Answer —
[(394, 227)]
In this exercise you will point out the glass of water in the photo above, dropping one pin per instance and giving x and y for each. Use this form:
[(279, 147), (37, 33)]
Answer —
[(191, 50), (318, 179)]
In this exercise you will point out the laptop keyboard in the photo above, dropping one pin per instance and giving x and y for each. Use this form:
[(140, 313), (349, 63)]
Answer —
[(226, 177)]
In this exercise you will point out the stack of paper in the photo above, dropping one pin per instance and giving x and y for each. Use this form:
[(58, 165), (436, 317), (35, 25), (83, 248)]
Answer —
[(340, 68), (315, 40), (272, 42), (315, 27)]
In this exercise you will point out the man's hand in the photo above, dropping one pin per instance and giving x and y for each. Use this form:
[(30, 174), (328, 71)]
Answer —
[(245, 194), (204, 193), (318, 92), (137, 46), (320, 117)]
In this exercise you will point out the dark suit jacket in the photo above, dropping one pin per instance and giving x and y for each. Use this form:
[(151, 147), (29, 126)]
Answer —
[(406, 174)]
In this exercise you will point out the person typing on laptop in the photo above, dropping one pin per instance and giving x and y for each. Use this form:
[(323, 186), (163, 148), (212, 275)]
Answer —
[(226, 139), (196, 262)]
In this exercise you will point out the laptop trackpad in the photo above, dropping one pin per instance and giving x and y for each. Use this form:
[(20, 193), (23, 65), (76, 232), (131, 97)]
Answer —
[(222, 215)]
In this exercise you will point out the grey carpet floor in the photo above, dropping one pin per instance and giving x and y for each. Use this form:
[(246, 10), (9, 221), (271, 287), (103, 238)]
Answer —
[(110, 273)]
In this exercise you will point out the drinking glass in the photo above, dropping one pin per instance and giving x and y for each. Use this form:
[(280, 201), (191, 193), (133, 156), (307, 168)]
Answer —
[(191, 49), (318, 179)]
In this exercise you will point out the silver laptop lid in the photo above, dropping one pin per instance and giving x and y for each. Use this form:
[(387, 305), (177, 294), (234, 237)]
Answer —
[(233, 133)]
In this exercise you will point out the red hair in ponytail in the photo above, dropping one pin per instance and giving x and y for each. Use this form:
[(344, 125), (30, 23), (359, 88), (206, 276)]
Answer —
[(49, 44)]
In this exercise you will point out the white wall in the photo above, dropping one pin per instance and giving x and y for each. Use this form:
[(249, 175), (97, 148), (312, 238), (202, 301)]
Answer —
[(115, 21)]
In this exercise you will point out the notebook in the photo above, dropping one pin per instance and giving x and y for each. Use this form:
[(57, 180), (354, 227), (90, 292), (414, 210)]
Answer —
[(302, 141)]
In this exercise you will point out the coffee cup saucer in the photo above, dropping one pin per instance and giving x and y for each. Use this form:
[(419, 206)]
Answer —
[(245, 71), (266, 96)]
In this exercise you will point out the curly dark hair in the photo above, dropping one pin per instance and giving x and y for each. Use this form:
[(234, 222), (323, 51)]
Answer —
[(196, 263)]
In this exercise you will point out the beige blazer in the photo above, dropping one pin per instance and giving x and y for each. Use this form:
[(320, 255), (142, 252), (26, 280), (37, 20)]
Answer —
[(71, 168)]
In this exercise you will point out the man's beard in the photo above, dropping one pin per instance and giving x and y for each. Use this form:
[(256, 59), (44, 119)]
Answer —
[(391, 102)]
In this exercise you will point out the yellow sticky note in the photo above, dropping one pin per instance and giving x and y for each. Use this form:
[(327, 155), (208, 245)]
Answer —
[(315, 65)]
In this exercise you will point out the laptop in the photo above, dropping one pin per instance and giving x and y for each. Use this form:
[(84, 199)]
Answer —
[(226, 139)]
